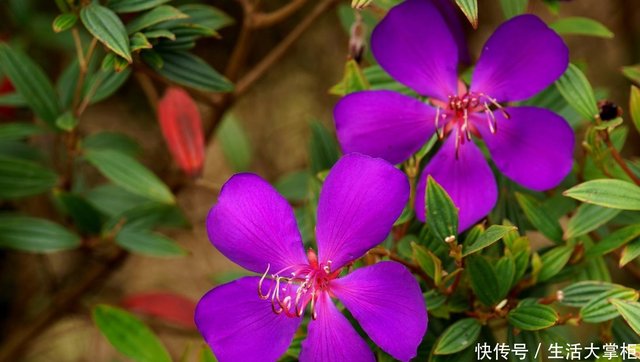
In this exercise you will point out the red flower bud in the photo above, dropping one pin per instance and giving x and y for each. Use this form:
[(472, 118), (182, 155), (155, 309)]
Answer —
[(5, 88), (182, 129), (169, 307)]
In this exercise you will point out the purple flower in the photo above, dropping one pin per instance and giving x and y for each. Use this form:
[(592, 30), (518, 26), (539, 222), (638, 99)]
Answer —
[(531, 146), (254, 318)]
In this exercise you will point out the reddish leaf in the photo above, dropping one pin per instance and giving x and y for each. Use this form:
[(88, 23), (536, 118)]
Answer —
[(169, 307), (6, 87), (182, 129)]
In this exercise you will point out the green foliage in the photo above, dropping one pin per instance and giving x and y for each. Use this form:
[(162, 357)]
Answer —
[(35, 235), (470, 10), (129, 335), (532, 317), (511, 8), (189, 70), (442, 214), (235, 143), (148, 243), (615, 194), (21, 178), (581, 26), (576, 89), (460, 335), (107, 27)]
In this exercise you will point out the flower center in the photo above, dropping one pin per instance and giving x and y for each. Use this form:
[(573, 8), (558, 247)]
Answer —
[(455, 113), (298, 285)]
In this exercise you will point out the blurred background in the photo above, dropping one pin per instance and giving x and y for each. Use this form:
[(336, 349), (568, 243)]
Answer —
[(271, 127)]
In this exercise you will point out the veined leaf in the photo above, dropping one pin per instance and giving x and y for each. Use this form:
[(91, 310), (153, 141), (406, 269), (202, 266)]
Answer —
[(470, 10), (189, 70), (111, 141), (539, 218), (511, 8), (35, 235), (428, 261), (107, 27), (84, 215), (323, 148), (615, 194), (632, 72), (576, 25), (21, 178), (483, 279), (129, 174), (576, 89), (18, 130), (532, 317), (615, 240), (487, 238), (553, 261), (442, 214), (600, 309), (129, 335), (458, 336), (353, 80), (630, 311), (634, 106), (580, 293), (235, 143), (199, 14), (155, 16), (132, 6), (630, 252), (148, 243), (64, 22), (587, 218), (112, 200), (31, 83)]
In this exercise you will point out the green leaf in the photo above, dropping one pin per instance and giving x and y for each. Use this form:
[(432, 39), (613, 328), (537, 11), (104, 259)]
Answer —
[(148, 216), (294, 186), (139, 41), (112, 200), (106, 83), (18, 130), (630, 252), (575, 88), (353, 80), (483, 279), (529, 340), (31, 83), (132, 6), (614, 240), (379, 79), (470, 10), (615, 194), (634, 106), (532, 317), (13, 100), (201, 15), (599, 309), (490, 236), (67, 121), (111, 141), (632, 72), (160, 33), (460, 335), (20, 178), (84, 215), (64, 22), (129, 174), (630, 311), (107, 27), (506, 269), (129, 335), (511, 8), (188, 70), (35, 235), (235, 143), (576, 25), (442, 214), (553, 261), (206, 355), (155, 16), (581, 293), (323, 148), (587, 218), (148, 243), (428, 262), (540, 219)]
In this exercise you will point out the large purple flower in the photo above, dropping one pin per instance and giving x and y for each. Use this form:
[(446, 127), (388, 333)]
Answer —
[(531, 146), (254, 318)]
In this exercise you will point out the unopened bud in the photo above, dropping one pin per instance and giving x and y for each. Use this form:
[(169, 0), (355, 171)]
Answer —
[(559, 295), (608, 110), (360, 4), (357, 39), (450, 239)]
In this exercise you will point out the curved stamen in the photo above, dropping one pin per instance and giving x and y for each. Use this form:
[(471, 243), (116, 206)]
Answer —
[(491, 119), (498, 105), (264, 296)]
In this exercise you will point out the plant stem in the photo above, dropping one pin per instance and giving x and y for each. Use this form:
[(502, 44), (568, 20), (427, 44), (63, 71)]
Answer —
[(623, 164)]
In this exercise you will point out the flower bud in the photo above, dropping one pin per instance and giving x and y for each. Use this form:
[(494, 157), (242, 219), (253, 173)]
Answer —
[(608, 110), (360, 4), (182, 129), (357, 39)]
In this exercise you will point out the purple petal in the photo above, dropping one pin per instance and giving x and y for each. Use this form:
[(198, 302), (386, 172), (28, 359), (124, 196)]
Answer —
[(533, 148), (239, 326), (455, 22), (468, 180), (331, 338), (415, 46), (521, 58), (360, 200), (387, 302), (383, 124), (254, 226)]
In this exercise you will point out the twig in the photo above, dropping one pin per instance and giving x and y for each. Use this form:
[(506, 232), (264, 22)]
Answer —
[(620, 160), (263, 20), (379, 251)]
